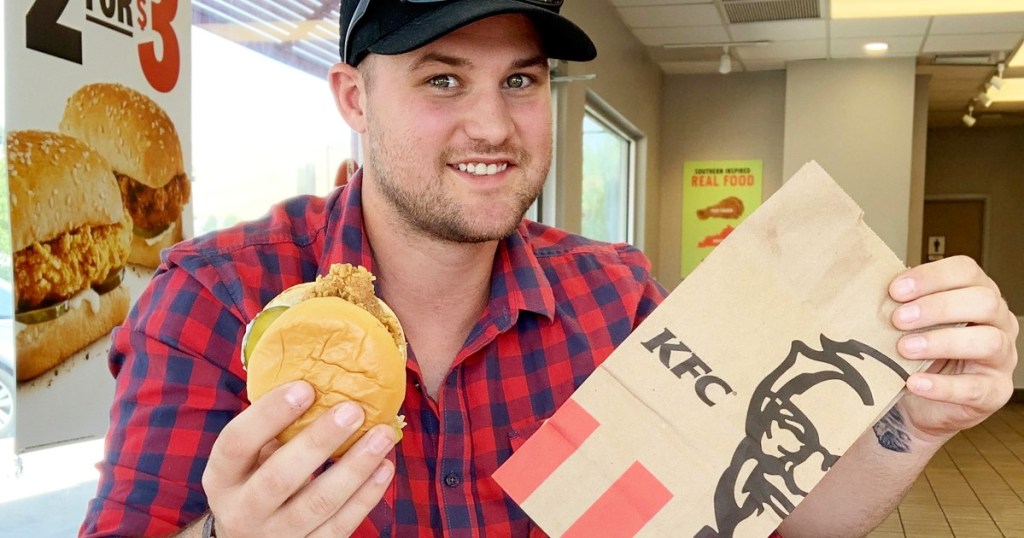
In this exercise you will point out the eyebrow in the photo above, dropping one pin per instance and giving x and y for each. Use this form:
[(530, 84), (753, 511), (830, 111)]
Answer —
[(454, 61)]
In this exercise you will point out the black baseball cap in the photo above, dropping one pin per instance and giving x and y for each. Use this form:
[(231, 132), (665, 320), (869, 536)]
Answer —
[(400, 26)]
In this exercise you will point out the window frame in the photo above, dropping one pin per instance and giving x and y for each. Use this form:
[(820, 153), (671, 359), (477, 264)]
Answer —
[(599, 110)]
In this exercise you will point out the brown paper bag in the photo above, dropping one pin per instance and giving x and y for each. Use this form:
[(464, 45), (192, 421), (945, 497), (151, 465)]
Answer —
[(725, 407)]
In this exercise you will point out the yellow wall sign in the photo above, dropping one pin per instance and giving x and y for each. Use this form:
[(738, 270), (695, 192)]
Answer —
[(717, 197)]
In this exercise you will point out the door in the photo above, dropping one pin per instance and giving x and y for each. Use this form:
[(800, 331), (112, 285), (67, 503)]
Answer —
[(952, 227)]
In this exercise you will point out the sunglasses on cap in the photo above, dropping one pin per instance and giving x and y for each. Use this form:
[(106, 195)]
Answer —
[(361, 8)]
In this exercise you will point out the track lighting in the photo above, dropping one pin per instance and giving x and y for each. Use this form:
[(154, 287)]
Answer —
[(983, 99), (997, 79), (969, 119), (725, 62)]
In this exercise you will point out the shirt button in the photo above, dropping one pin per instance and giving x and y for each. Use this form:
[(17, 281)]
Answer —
[(452, 480)]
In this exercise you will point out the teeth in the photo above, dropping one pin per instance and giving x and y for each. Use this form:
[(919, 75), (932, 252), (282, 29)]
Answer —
[(481, 169)]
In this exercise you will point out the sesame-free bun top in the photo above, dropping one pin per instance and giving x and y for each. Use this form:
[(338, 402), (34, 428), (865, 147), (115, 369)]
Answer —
[(57, 184), (129, 129), (345, 352)]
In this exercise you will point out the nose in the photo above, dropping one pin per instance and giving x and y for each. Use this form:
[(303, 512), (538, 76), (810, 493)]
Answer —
[(487, 118)]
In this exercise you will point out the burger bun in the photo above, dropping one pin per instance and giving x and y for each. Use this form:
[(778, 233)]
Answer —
[(345, 352)]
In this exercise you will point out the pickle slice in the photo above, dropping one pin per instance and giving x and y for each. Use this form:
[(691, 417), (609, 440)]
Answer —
[(255, 329), (56, 310), (148, 233), (46, 313), (113, 280)]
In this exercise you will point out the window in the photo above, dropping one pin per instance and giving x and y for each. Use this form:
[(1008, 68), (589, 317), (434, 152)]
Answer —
[(609, 176), (262, 131)]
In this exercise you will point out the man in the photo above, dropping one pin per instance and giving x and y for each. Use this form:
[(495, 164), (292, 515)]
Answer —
[(504, 318)]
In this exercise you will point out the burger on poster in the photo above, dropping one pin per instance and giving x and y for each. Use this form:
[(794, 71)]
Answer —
[(71, 237), (141, 143)]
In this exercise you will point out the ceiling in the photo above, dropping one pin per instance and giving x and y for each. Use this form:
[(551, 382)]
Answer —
[(688, 36), (959, 52)]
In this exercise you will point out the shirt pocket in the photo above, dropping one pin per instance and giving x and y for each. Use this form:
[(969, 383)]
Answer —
[(518, 436)]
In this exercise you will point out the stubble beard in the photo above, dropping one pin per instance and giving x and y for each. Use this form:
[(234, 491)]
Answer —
[(431, 212)]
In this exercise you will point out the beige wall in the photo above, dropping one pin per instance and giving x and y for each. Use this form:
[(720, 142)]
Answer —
[(630, 83), (917, 169), (855, 117), (987, 161), (739, 116)]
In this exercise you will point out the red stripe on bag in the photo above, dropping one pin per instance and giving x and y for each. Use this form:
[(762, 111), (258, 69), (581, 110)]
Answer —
[(625, 507), (555, 441)]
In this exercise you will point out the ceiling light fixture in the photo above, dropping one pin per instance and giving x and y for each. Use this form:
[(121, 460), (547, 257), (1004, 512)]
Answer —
[(983, 99), (997, 79), (877, 47), (725, 62), (969, 119)]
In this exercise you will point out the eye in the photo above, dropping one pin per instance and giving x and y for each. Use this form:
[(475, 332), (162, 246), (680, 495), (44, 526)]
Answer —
[(519, 81), (443, 82)]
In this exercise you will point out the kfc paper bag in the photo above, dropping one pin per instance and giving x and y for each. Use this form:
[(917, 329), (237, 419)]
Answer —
[(730, 402)]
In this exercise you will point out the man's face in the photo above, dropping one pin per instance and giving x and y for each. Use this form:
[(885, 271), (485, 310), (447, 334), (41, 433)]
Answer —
[(459, 131)]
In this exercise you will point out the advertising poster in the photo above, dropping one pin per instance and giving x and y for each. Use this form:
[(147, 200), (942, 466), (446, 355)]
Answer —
[(97, 138), (717, 197)]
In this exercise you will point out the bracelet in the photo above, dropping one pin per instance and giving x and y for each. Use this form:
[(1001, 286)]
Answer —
[(208, 529)]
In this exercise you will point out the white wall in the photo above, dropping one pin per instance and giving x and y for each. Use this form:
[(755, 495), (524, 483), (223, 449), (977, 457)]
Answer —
[(856, 118)]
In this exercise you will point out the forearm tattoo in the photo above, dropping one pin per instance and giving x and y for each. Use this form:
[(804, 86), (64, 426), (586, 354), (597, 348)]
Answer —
[(891, 432)]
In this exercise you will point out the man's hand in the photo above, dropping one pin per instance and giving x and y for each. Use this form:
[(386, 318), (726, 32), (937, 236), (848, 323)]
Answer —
[(258, 487), (972, 375)]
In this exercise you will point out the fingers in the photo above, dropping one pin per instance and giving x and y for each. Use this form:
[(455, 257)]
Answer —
[(975, 304), (977, 342), (974, 391), (943, 275), (290, 467), (346, 520), (342, 496), (241, 442)]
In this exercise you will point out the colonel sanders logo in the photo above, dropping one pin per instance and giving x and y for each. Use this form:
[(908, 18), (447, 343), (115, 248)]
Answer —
[(781, 437)]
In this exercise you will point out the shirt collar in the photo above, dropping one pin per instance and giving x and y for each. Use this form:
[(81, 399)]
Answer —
[(519, 277), (518, 282), (346, 240)]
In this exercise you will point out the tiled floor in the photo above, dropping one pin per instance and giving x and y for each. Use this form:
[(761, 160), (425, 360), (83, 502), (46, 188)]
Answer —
[(973, 488)]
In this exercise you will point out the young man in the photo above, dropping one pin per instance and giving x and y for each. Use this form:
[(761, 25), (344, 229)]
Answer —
[(504, 318)]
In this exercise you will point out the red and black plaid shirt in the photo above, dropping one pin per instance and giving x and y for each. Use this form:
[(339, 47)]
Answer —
[(559, 304)]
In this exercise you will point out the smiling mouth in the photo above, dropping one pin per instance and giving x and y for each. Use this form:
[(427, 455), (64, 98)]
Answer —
[(481, 169)]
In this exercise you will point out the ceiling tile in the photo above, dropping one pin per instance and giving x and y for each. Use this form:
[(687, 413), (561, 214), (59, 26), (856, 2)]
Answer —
[(978, 24), (853, 47), (779, 31), (785, 50), (676, 15), (866, 9), (764, 65), (689, 68), (972, 42), (905, 26), (654, 37)]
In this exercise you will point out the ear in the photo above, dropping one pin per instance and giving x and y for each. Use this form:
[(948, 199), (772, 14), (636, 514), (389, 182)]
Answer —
[(349, 91)]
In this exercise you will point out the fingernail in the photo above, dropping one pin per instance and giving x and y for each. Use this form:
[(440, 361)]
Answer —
[(379, 442), (383, 474), (908, 313), (346, 415), (903, 287), (914, 344), (923, 384), (298, 394)]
